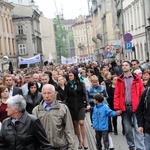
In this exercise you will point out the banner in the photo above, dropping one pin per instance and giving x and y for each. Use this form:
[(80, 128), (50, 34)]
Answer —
[(72, 60), (50, 58), (31, 60)]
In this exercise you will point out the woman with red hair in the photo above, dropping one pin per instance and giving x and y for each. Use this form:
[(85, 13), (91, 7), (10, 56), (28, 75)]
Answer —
[(146, 78)]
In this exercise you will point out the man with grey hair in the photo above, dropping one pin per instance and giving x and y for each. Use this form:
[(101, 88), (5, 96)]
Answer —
[(22, 131), (56, 120)]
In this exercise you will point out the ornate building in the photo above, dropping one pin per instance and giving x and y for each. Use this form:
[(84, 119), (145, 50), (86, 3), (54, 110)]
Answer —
[(7, 38), (82, 32)]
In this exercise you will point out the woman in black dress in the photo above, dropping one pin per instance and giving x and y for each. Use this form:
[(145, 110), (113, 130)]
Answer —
[(76, 101)]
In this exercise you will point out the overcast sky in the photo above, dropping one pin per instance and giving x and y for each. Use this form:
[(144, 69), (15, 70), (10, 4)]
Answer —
[(71, 8)]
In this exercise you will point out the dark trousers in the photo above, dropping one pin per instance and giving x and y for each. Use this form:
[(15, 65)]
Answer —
[(91, 110), (113, 120), (99, 136)]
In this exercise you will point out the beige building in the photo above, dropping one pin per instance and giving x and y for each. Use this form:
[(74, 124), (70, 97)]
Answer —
[(48, 39), (104, 25), (134, 20), (82, 32), (7, 42), (27, 31)]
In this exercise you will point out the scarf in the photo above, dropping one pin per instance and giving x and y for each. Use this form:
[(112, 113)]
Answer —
[(73, 85)]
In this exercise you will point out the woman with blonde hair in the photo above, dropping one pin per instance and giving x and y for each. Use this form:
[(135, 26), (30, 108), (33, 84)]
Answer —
[(107, 80)]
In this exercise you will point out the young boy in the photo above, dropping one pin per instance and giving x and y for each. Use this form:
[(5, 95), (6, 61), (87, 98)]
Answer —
[(100, 115)]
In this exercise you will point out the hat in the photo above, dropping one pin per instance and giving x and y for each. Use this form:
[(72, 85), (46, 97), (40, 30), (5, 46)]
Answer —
[(137, 71)]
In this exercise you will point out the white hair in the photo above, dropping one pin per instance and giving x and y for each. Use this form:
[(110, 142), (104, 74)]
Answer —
[(35, 75), (18, 102), (50, 86)]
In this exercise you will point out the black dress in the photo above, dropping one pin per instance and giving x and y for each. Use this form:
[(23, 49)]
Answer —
[(76, 99)]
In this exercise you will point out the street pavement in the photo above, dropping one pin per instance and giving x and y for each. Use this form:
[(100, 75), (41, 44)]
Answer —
[(119, 140)]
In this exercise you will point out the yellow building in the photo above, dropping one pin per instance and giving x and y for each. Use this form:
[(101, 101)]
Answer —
[(82, 32), (7, 40)]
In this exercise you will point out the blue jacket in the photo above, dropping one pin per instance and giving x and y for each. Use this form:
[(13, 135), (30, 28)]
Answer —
[(92, 91), (100, 115)]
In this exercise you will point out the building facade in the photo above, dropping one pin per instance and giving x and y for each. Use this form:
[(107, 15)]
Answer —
[(82, 32), (147, 25), (67, 24), (27, 30), (104, 26), (7, 38), (48, 40), (134, 23)]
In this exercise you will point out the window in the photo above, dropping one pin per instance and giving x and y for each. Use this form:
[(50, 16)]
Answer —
[(20, 29), (22, 49)]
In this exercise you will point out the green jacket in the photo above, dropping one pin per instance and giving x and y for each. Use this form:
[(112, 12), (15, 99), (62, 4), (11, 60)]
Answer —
[(58, 124)]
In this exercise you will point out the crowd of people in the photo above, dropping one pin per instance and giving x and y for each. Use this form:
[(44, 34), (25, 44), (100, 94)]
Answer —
[(44, 108)]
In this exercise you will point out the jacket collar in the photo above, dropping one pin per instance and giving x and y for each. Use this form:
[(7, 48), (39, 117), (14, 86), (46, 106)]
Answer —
[(41, 107), (22, 119), (120, 78)]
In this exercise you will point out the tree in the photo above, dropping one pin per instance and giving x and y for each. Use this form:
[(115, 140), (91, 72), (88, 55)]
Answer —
[(60, 37)]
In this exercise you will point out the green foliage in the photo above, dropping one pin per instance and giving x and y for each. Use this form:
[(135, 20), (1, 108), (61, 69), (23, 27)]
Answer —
[(60, 36)]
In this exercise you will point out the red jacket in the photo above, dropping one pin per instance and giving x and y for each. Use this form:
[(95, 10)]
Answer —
[(119, 95)]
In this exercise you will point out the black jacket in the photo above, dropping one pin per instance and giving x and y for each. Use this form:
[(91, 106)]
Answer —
[(32, 101), (147, 84), (143, 114), (76, 99), (27, 134), (62, 94), (17, 90)]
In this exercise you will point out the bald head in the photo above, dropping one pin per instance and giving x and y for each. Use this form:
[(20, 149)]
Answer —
[(48, 93), (48, 86)]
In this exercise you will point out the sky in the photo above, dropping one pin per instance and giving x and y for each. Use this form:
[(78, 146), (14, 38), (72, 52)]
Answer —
[(71, 8)]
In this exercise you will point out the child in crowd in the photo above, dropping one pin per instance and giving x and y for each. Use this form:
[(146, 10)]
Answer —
[(101, 113)]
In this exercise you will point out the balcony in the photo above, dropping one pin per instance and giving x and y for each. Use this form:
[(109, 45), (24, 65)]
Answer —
[(21, 36)]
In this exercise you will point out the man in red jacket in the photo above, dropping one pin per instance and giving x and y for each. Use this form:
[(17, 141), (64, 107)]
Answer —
[(129, 88)]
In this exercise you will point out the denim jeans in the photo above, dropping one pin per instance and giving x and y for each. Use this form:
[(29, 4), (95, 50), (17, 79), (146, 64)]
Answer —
[(130, 121), (147, 141)]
